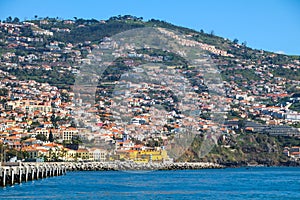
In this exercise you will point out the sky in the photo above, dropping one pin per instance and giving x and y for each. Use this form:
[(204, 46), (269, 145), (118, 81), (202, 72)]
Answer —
[(272, 25)]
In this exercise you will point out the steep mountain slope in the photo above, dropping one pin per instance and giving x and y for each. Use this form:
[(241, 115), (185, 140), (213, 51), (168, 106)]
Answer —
[(260, 86)]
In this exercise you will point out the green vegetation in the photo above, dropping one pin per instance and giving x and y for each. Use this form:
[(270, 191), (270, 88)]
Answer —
[(240, 75), (290, 74), (54, 77), (95, 31), (41, 137), (3, 92), (82, 30), (169, 58), (295, 107)]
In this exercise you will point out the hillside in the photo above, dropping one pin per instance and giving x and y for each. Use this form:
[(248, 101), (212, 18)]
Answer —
[(43, 56)]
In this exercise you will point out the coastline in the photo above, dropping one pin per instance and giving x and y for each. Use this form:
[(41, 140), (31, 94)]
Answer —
[(19, 172), (134, 166), (119, 165), (130, 165), (246, 164)]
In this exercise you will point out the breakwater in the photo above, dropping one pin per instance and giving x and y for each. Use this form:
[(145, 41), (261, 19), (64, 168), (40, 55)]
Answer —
[(12, 173), (115, 166)]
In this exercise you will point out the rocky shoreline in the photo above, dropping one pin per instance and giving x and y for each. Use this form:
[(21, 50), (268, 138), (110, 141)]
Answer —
[(259, 164), (132, 166)]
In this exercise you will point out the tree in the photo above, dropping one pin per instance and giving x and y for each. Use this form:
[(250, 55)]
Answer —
[(76, 140), (63, 154), (51, 138), (3, 91), (244, 43), (16, 20), (41, 137), (235, 41), (9, 19), (73, 124), (53, 118)]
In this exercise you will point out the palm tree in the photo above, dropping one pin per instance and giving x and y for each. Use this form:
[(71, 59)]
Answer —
[(63, 154), (50, 154)]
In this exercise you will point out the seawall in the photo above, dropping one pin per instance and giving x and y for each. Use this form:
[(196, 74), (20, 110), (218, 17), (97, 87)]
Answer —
[(105, 166)]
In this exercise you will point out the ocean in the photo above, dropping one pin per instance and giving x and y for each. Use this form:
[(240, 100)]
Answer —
[(230, 183)]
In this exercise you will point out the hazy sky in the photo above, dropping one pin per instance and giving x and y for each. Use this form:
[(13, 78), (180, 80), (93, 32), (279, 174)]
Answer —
[(272, 25)]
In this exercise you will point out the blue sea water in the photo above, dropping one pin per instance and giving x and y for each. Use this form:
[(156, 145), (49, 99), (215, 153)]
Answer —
[(238, 183)]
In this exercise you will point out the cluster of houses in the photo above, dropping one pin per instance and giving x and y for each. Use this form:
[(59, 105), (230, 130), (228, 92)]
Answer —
[(51, 151), (38, 118), (293, 152)]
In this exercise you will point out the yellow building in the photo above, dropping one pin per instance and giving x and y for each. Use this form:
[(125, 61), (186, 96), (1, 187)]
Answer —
[(83, 154), (150, 155), (71, 154)]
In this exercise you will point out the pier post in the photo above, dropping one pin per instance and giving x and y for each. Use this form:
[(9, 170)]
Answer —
[(57, 171), (44, 175), (32, 173), (47, 171), (20, 174), (12, 176), (26, 173), (37, 172), (4, 178), (42, 172)]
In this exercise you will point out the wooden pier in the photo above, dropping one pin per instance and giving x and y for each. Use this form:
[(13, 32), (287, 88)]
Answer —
[(18, 173)]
